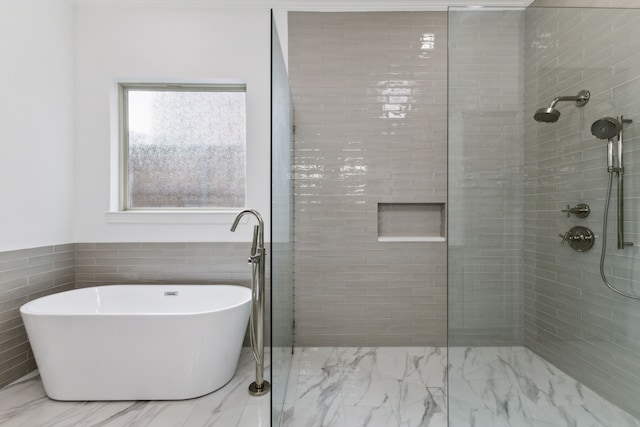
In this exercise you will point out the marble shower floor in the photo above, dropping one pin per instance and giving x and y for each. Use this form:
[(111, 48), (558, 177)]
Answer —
[(350, 387), (406, 387), (25, 404)]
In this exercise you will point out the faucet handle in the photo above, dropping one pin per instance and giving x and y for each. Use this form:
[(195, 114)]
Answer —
[(581, 210), (564, 236), (580, 238), (254, 244)]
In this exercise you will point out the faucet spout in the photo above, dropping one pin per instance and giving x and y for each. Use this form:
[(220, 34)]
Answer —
[(258, 217)]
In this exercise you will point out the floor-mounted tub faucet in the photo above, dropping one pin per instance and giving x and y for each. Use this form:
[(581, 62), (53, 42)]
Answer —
[(256, 320)]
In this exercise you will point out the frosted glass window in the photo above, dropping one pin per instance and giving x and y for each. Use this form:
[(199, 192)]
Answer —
[(185, 147)]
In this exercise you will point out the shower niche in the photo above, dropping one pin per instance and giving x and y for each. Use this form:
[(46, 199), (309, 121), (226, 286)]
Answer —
[(412, 222)]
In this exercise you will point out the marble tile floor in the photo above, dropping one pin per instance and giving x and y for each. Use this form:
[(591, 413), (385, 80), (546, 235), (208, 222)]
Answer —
[(352, 387), (25, 404), (514, 387), (406, 387)]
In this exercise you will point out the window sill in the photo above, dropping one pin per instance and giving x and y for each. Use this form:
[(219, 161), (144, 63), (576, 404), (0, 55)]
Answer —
[(173, 217)]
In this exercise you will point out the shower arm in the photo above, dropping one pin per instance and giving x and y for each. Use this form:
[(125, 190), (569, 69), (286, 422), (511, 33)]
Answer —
[(579, 99)]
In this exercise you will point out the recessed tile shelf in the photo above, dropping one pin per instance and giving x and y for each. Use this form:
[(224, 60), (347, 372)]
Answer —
[(411, 239), (411, 222)]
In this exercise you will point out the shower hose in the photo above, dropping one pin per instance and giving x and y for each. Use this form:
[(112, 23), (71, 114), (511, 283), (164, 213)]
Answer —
[(604, 243)]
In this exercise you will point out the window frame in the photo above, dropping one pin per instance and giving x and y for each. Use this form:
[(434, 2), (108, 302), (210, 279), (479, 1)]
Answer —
[(123, 141)]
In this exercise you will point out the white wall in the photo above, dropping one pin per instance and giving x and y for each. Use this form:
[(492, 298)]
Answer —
[(36, 123), (164, 44)]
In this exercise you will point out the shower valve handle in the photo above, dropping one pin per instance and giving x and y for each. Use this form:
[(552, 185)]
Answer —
[(581, 210), (564, 236), (580, 238)]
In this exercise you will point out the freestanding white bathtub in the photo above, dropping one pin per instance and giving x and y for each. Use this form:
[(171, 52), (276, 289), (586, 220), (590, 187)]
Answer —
[(137, 342)]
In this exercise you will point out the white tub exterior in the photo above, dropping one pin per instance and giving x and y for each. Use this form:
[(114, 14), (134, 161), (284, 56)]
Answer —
[(133, 342)]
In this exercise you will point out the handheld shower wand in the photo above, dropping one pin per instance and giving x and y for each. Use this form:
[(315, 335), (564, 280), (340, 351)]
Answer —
[(609, 128)]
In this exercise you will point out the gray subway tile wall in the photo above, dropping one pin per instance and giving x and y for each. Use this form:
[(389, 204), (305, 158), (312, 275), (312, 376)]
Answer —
[(27, 274), (369, 92), (485, 177), (179, 263), (571, 318)]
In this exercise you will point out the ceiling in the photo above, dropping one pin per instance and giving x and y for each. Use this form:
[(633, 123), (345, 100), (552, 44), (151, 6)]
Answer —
[(314, 5)]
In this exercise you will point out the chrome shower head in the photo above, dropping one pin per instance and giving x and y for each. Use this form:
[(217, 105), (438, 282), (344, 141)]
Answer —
[(547, 115), (551, 115), (605, 128)]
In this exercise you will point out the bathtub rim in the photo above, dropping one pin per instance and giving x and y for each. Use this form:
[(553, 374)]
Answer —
[(24, 308)]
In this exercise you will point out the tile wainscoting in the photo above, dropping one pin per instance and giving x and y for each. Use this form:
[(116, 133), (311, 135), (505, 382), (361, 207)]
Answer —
[(27, 274)]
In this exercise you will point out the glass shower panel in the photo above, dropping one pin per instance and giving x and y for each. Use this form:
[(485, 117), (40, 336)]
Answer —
[(281, 227), (530, 321), (485, 177)]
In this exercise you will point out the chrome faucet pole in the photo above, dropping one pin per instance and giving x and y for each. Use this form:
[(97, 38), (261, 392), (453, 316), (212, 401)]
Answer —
[(256, 333)]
